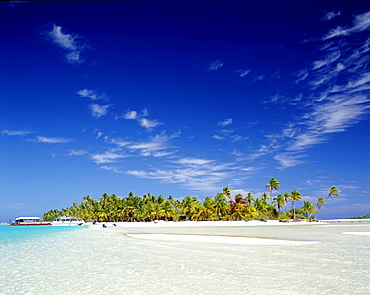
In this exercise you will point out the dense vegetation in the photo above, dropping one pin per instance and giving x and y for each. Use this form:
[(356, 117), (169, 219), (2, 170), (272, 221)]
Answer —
[(361, 217), (223, 206)]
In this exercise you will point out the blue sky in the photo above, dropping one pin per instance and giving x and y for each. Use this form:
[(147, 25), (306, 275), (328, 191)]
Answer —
[(183, 98)]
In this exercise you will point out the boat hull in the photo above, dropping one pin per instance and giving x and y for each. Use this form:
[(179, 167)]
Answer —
[(66, 224), (30, 224), (68, 221)]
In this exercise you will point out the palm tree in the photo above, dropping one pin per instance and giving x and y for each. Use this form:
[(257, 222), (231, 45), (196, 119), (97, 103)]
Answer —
[(265, 196), (238, 204), (226, 192), (294, 196), (332, 192), (189, 206), (308, 207), (279, 201), (319, 204), (273, 185), (221, 206), (261, 205), (249, 199), (209, 208)]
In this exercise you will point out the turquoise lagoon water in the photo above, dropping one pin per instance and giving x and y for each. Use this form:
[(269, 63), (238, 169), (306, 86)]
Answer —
[(47, 260), (21, 234)]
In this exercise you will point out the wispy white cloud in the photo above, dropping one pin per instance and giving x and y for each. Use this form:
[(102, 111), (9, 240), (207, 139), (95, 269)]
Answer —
[(107, 157), (330, 15), (339, 83), (236, 138), (99, 134), (192, 174), (141, 119), (92, 94), (130, 115), (119, 142), (193, 161), (65, 41), (276, 98), (43, 139), (113, 169), (218, 137), (335, 114), (259, 78), (74, 57), (14, 3), (99, 111), (287, 160), (261, 151), (77, 152), (149, 124), (68, 42), (216, 65), (242, 72), (15, 132), (302, 75), (360, 23), (156, 144), (225, 122), (330, 58)]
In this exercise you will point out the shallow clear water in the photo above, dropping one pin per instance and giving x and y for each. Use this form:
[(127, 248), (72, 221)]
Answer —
[(105, 261)]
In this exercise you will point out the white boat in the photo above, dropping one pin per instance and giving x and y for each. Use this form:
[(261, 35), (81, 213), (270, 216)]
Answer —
[(29, 221), (68, 221)]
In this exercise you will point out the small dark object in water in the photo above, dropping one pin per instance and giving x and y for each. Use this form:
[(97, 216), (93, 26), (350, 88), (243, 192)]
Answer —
[(104, 226)]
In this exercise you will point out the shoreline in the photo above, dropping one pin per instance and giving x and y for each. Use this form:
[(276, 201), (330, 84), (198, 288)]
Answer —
[(164, 224)]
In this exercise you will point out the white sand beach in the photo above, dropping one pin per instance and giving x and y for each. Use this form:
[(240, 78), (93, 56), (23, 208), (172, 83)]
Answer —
[(212, 239)]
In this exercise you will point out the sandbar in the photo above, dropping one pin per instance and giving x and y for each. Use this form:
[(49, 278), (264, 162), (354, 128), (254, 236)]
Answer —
[(218, 239), (357, 233)]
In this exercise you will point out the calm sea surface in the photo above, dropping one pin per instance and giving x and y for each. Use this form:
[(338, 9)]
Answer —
[(61, 260)]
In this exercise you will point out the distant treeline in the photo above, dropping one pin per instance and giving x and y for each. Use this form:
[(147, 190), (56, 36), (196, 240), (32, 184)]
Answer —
[(361, 217), (223, 206)]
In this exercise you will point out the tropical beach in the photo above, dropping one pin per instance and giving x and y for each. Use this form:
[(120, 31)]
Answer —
[(320, 258), (176, 147)]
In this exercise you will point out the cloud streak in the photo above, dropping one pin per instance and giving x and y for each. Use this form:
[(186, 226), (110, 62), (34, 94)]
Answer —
[(99, 111), (360, 23), (107, 157), (140, 118), (191, 173), (155, 146), (216, 65), (92, 94), (43, 139), (225, 122), (15, 132), (69, 43), (333, 107)]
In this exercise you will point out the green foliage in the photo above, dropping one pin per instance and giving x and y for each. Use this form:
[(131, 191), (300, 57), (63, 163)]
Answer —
[(283, 215), (361, 217), (262, 217), (111, 208)]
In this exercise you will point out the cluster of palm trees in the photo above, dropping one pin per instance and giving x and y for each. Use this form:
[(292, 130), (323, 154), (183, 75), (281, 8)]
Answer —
[(223, 206)]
